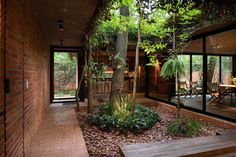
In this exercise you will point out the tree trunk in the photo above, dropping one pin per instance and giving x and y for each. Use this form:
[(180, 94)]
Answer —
[(80, 80), (121, 52), (177, 73), (136, 64), (68, 77), (211, 68), (90, 84), (178, 103)]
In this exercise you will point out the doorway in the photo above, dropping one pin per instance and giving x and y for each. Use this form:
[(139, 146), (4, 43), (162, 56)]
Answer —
[(66, 68), (65, 75)]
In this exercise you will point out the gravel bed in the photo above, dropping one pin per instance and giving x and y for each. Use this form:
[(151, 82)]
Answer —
[(100, 143)]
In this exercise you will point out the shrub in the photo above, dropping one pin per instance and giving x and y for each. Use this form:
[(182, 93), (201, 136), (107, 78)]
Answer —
[(144, 117), (105, 109), (110, 117), (185, 127), (122, 107), (103, 122)]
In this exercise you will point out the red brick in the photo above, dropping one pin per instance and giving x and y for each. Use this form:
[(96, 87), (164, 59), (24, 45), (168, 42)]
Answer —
[(26, 58), (2, 60)]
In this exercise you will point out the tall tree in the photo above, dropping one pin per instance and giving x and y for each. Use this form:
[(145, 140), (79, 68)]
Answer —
[(173, 20), (120, 55), (138, 5), (90, 81), (181, 21)]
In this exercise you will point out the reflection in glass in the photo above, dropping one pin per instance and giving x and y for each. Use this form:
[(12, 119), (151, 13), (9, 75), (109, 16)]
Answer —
[(158, 87), (194, 46), (226, 69), (197, 69), (186, 75), (220, 98), (213, 69), (221, 43)]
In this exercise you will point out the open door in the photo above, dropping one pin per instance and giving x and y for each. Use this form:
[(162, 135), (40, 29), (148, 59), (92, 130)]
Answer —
[(65, 72), (66, 68)]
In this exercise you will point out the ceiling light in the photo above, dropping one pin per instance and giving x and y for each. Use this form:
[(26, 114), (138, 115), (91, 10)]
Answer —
[(60, 24)]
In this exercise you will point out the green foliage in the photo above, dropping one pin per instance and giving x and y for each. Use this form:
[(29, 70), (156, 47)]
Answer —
[(59, 93), (103, 122), (119, 117), (171, 22), (151, 51), (185, 127), (226, 62), (156, 24), (64, 71), (72, 93), (143, 118), (96, 69), (172, 67), (106, 108), (197, 63), (122, 107), (63, 62)]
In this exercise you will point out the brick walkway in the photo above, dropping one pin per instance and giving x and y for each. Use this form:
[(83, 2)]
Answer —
[(59, 135)]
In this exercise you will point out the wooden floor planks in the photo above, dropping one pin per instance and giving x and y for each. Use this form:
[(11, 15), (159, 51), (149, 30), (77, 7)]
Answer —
[(199, 147)]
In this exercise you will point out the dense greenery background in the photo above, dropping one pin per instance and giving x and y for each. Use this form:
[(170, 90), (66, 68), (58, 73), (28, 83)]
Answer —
[(64, 72)]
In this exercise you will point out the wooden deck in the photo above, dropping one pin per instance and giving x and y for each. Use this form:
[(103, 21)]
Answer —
[(194, 147)]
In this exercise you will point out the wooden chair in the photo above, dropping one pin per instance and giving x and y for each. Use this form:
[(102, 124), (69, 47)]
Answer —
[(216, 94), (213, 90), (184, 90), (195, 88)]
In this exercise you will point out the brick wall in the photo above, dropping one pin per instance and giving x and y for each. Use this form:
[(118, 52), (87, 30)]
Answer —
[(27, 60), (37, 73), (14, 72), (1, 82)]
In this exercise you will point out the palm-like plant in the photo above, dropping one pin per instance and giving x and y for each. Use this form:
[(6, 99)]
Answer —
[(173, 67)]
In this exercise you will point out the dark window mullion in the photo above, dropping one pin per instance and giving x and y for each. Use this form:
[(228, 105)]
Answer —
[(220, 69), (204, 74)]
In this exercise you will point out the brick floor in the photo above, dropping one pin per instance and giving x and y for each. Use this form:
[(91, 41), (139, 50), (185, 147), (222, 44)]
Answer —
[(59, 135)]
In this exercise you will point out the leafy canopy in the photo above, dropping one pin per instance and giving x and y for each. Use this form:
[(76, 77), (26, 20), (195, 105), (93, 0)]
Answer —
[(161, 19)]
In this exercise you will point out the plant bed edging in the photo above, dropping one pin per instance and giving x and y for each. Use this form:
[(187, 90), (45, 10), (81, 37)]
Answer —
[(200, 116)]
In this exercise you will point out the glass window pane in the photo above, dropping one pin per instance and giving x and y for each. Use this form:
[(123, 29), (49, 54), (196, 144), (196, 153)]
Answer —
[(226, 69), (158, 87), (197, 69), (186, 61), (222, 43), (185, 77), (221, 99), (213, 69)]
